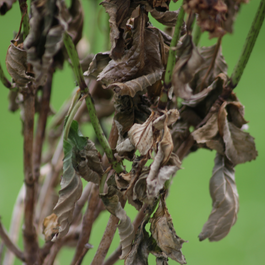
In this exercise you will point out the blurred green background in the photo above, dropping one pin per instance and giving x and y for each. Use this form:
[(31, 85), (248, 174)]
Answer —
[(189, 200)]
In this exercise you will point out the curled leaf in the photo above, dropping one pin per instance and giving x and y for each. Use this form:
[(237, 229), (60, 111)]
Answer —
[(50, 227), (170, 117), (125, 227), (163, 232), (225, 201), (16, 64), (188, 63)]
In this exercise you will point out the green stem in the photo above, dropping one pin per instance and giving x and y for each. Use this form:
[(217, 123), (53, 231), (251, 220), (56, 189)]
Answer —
[(3, 79), (70, 119), (196, 34), (24, 11), (102, 181), (90, 106), (71, 50), (74, 100), (171, 59), (248, 46)]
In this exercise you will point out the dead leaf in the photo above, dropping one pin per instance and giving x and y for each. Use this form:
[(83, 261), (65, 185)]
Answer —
[(50, 227), (163, 232), (225, 201), (179, 133), (170, 117), (16, 64), (6, 5), (188, 63)]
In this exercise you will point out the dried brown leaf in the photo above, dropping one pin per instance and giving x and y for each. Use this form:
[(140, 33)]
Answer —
[(5, 5), (50, 227), (179, 133), (219, 67), (163, 232), (126, 230), (16, 64), (141, 135), (188, 63), (225, 201), (170, 117)]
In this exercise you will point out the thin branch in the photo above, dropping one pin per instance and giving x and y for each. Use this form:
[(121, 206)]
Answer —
[(10, 245), (3, 79), (43, 115), (87, 224), (248, 45), (15, 225), (171, 60), (29, 232)]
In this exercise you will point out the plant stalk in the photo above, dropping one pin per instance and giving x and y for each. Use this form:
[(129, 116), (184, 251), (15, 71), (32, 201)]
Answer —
[(24, 12), (196, 34), (248, 45)]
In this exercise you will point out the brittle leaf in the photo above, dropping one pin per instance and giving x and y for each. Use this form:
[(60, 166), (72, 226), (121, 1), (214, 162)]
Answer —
[(171, 116), (225, 201), (50, 227), (189, 61), (163, 232)]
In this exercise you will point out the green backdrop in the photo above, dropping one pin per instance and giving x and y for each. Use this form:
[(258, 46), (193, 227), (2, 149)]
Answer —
[(189, 200)]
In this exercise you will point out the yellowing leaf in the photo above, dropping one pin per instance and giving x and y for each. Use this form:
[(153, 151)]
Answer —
[(50, 227), (225, 201)]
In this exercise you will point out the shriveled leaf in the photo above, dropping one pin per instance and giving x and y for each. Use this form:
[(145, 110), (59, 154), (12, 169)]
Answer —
[(225, 201), (87, 163), (98, 63), (76, 21), (138, 84), (188, 63), (141, 135), (139, 189), (6, 5), (125, 146), (179, 133), (170, 117), (119, 12), (239, 145), (139, 252), (71, 184), (207, 73), (16, 64), (123, 180), (163, 232), (125, 227), (50, 227)]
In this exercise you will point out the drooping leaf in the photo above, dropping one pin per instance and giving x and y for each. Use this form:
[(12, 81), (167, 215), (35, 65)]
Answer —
[(163, 232), (211, 15), (188, 63), (179, 133), (170, 117), (125, 227), (50, 227), (206, 75), (16, 64), (5, 5), (225, 201)]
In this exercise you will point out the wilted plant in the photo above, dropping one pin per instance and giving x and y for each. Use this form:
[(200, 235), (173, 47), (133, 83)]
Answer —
[(169, 97)]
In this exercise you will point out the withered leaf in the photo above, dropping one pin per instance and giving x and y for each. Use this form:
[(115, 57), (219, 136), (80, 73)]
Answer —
[(239, 145), (225, 201), (188, 63), (170, 117), (5, 5), (163, 232), (125, 227), (220, 66), (139, 188), (50, 227), (138, 84), (179, 133), (141, 135), (139, 252), (16, 64)]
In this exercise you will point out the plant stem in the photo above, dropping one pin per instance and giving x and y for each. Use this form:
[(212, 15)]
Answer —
[(24, 11), (90, 106), (196, 34), (248, 45), (171, 59), (71, 50)]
